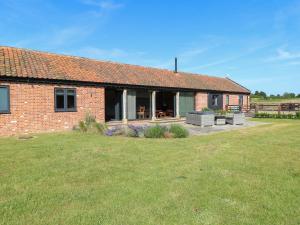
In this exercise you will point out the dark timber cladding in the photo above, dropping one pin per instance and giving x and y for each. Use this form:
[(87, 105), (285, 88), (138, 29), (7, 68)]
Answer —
[(186, 103)]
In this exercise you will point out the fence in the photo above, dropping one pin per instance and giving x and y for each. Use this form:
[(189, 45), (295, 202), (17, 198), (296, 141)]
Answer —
[(280, 107), (237, 108)]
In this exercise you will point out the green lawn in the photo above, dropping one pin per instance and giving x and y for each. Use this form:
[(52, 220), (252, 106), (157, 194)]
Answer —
[(249, 176), (275, 100)]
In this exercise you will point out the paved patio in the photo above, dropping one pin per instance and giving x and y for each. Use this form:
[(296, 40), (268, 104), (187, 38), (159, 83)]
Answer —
[(197, 130)]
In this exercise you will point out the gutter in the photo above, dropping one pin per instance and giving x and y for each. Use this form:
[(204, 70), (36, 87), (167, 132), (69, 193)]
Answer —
[(99, 84)]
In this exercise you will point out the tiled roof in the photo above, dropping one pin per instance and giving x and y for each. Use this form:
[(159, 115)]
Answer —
[(15, 62)]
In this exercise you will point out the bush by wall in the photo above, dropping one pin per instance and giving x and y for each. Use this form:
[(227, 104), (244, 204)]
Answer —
[(178, 131), (175, 131), (90, 125), (128, 131), (156, 131)]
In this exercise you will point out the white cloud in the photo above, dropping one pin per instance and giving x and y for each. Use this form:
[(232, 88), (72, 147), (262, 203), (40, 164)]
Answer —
[(282, 54), (192, 52), (103, 4), (218, 62)]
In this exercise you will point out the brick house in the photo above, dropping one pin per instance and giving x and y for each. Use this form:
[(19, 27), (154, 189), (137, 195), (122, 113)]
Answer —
[(42, 92)]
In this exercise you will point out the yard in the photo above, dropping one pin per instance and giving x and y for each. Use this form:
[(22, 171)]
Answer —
[(275, 100), (247, 176)]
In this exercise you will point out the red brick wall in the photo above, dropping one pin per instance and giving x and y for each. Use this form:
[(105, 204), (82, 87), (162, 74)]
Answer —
[(32, 109), (246, 101), (201, 101), (234, 100), (202, 97)]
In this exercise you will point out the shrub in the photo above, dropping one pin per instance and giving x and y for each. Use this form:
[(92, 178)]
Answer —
[(89, 120), (138, 130), (205, 110), (178, 131), (90, 125), (101, 128), (82, 127), (129, 131), (220, 112), (115, 131), (168, 134), (155, 131), (277, 116)]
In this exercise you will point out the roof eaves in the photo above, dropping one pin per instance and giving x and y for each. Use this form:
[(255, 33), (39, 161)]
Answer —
[(238, 84)]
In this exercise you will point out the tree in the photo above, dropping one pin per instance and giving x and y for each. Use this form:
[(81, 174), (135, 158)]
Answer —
[(259, 94), (263, 94), (289, 95)]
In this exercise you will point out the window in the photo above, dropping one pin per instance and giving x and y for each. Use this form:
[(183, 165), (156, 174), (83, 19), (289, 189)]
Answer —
[(241, 100), (227, 99), (215, 100), (4, 99), (65, 100)]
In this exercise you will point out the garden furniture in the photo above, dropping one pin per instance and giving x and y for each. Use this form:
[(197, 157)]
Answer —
[(141, 112), (201, 118), (220, 120), (235, 118)]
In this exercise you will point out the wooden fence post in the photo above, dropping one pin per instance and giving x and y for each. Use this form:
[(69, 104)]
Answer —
[(279, 109), (256, 108)]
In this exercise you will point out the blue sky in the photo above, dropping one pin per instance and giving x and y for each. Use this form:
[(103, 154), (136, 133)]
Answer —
[(255, 42)]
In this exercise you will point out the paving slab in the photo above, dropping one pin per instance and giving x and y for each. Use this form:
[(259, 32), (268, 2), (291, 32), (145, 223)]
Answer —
[(197, 130)]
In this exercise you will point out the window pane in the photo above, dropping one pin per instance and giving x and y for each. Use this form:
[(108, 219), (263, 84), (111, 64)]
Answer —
[(215, 100), (4, 98), (60, 102), (241, 100), (71, 101), (59, 92), (65, 99), (71, 92)]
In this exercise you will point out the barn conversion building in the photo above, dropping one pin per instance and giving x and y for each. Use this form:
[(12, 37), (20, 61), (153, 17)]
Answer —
[(42, 92)]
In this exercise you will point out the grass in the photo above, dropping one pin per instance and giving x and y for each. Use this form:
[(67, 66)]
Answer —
[(248, 176), (275, 100)]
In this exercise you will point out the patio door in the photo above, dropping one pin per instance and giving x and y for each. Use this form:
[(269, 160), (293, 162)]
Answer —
[(131, 104)]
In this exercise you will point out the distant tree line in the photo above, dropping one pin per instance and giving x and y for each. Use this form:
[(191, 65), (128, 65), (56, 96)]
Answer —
[(263, 95)]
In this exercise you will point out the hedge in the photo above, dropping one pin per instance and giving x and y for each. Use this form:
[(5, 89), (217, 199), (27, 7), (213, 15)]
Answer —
[(278, 116)]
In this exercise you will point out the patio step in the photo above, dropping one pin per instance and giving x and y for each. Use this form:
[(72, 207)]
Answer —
[(168, 120), (112, 124)]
